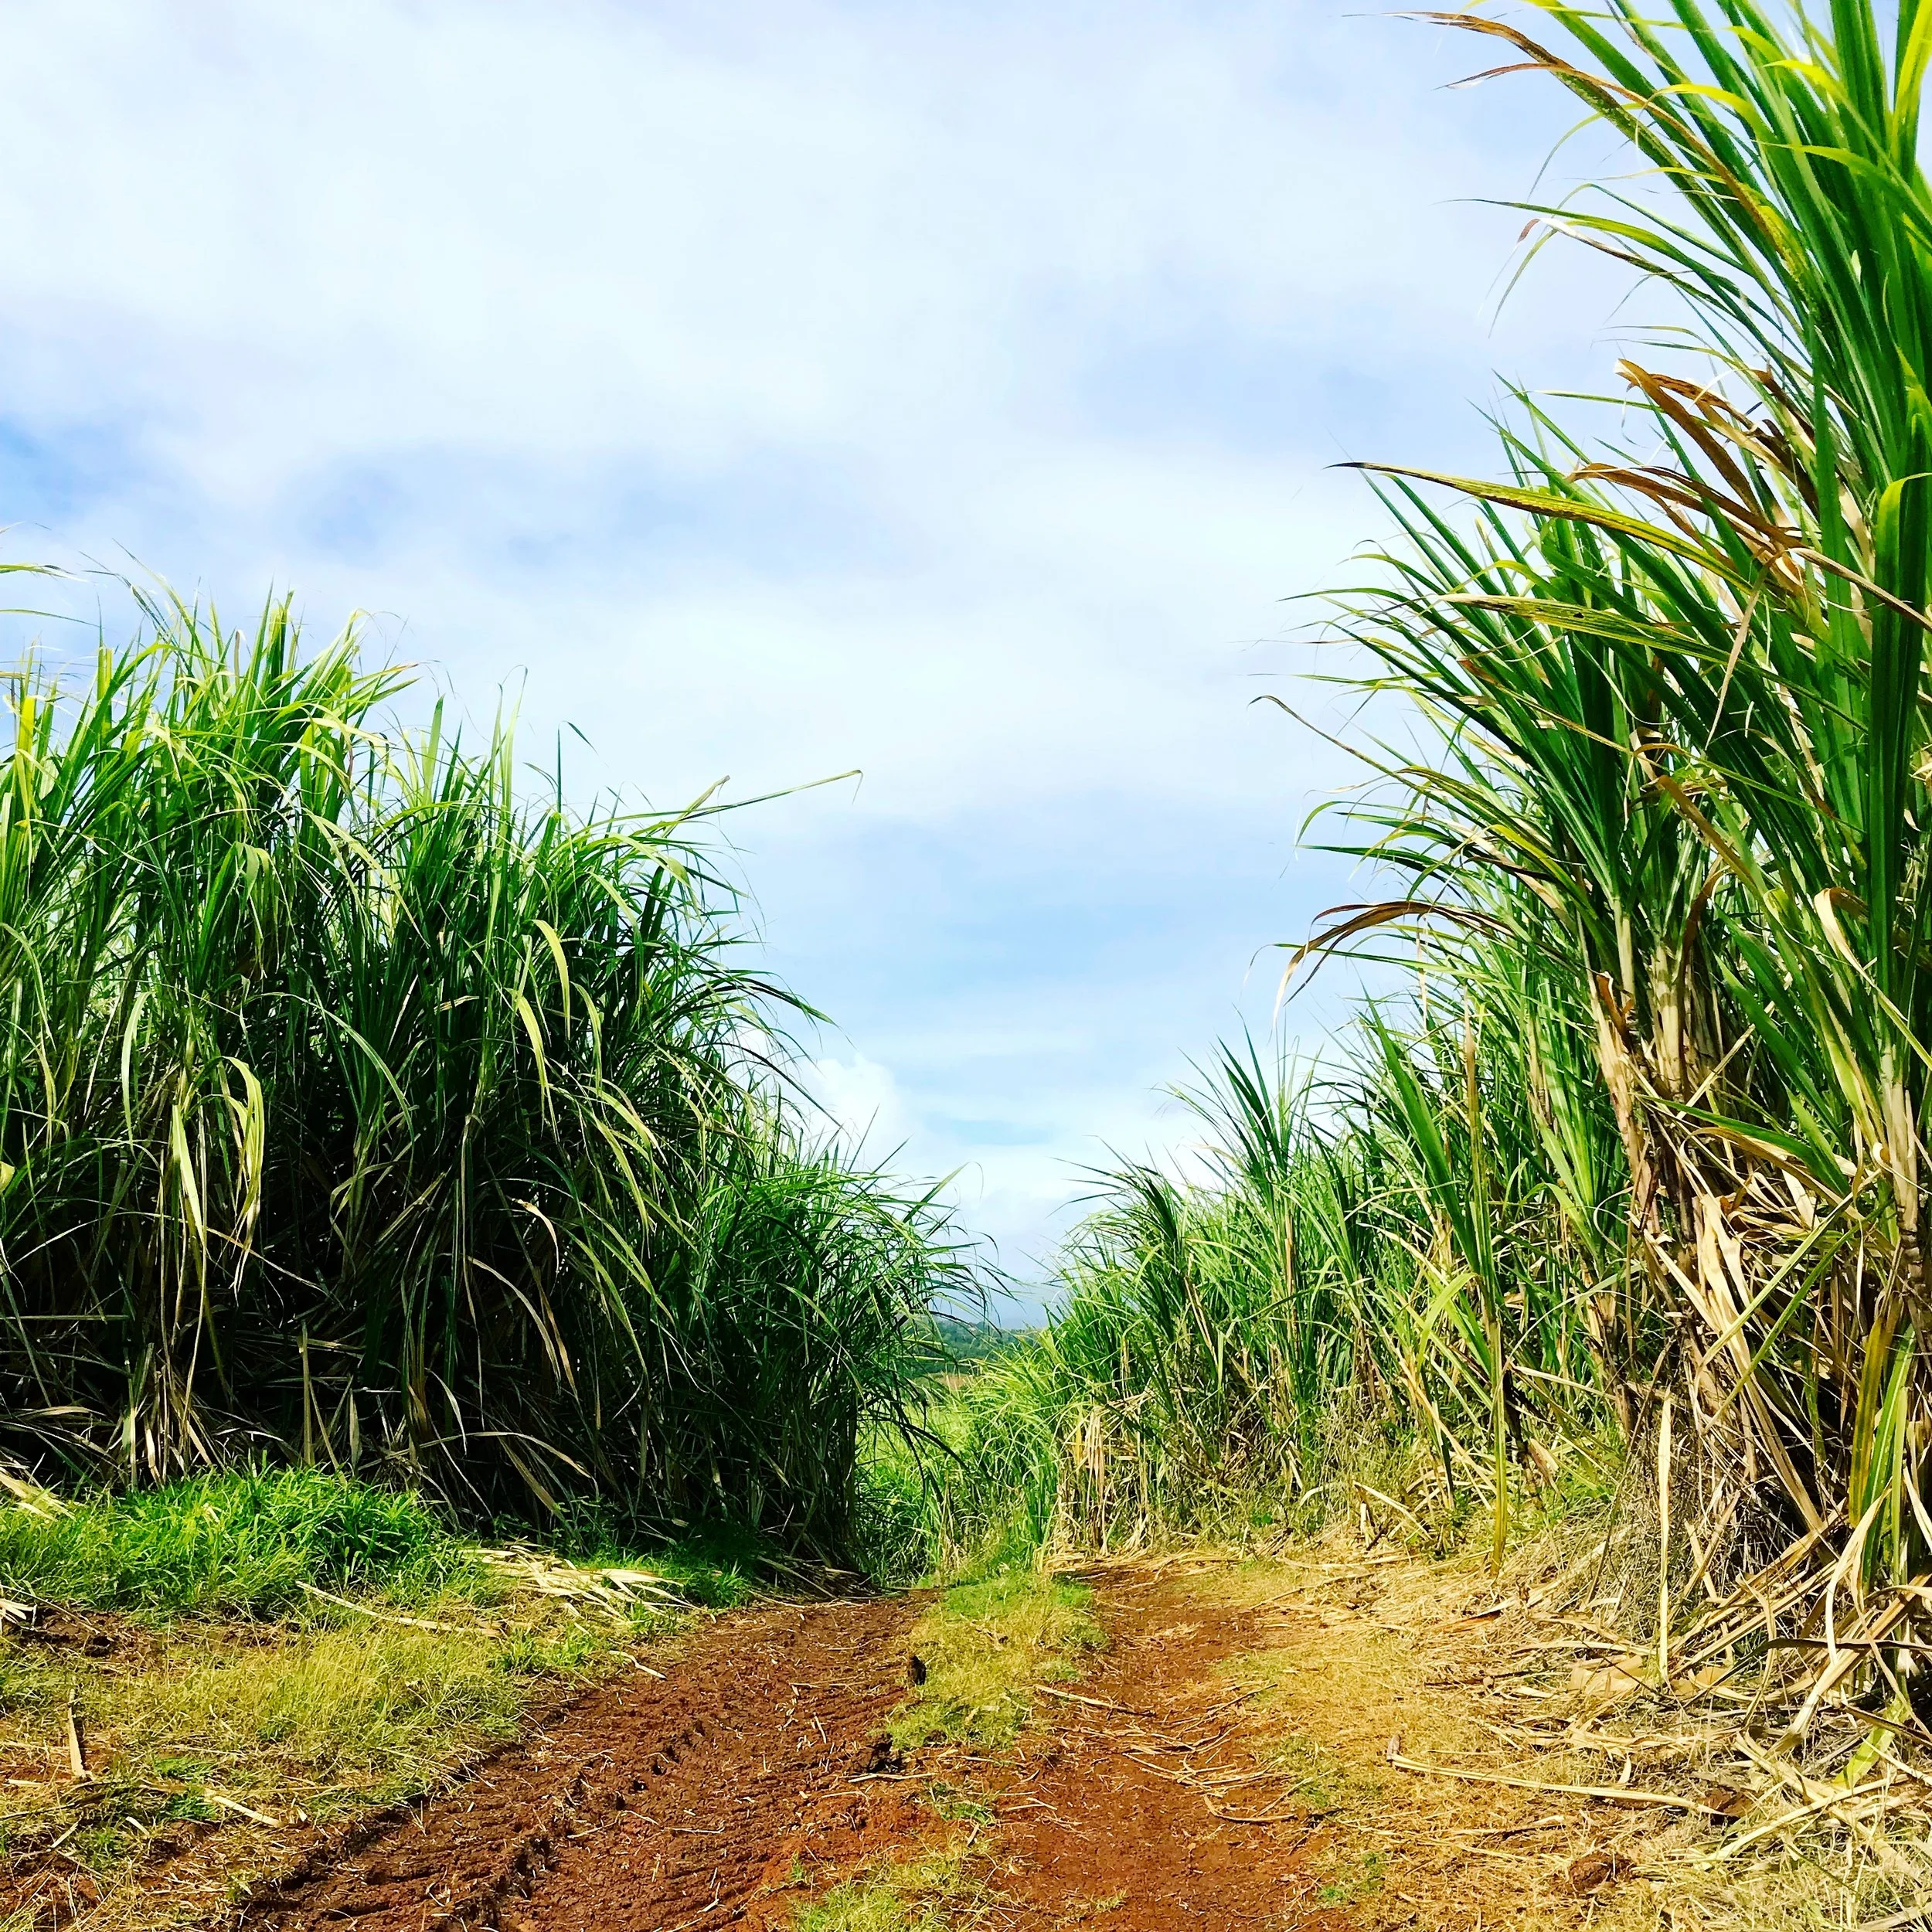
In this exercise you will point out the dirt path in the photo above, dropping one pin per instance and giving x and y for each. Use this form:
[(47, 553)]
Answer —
[(756, 1772), (1148, 1804), (1220, 1764), (647, 1806)]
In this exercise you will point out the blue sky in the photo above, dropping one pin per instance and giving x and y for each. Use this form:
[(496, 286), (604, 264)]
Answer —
[(951, 392)]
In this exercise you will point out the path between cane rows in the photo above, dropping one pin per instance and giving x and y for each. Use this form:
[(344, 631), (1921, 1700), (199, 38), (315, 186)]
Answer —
[(1147, 1796)]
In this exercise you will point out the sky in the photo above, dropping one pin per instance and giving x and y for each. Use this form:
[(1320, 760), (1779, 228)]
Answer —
[(950, 393)]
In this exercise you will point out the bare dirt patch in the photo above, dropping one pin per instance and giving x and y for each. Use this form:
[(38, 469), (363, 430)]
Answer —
[(708, 1798), (1145, 1806)]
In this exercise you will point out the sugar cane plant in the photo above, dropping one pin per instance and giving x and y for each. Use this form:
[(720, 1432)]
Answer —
[(359, 1108), (1643, 1154), (1678, 680)]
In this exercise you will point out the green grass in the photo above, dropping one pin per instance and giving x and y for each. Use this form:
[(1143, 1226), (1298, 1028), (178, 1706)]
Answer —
[(987, 1645), (1362, 1880), (250, 1543), (716, 1565), (262, 1543), (909, 1895), (331, 1718)]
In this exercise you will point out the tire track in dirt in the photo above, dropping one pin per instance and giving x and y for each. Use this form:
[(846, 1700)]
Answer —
[(673, 1806), (1150, 1801), (757, 1772), (1162, 1790)]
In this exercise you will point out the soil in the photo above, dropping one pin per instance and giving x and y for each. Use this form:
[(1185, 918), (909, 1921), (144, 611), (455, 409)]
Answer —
[(649, 1806), (1153, 1802), (1222, 1763), (757, 1772)]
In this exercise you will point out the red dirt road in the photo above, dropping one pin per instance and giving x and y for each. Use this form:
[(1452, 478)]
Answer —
[(1225, 1761), (1146, 1806), (646, 1806), (757, 1773)]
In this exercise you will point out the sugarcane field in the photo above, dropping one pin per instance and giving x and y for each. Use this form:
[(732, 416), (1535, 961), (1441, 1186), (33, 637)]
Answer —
[(965, 968)]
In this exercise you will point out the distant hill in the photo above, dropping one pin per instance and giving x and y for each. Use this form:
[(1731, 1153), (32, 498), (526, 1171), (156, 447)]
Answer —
[(977, 1341)]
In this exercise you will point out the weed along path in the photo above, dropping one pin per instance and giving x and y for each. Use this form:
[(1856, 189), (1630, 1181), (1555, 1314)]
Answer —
[(1215, 1754)]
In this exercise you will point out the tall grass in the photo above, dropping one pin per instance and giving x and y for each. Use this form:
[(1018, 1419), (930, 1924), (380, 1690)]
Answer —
[(359, 1105), (1323, 1300), (1680, 679), (1650, 1139)]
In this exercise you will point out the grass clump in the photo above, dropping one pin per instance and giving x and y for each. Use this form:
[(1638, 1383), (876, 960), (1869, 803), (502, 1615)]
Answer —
[(254, 1543), (1362, 1879), (713, 1566), (986, 1646), (906, 1895), (347, 1716), (325, 1718)]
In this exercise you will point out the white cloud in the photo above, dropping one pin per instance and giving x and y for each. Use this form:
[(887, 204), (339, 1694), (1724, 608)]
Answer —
[(862, 1101), (946, 389), (559, 227)]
